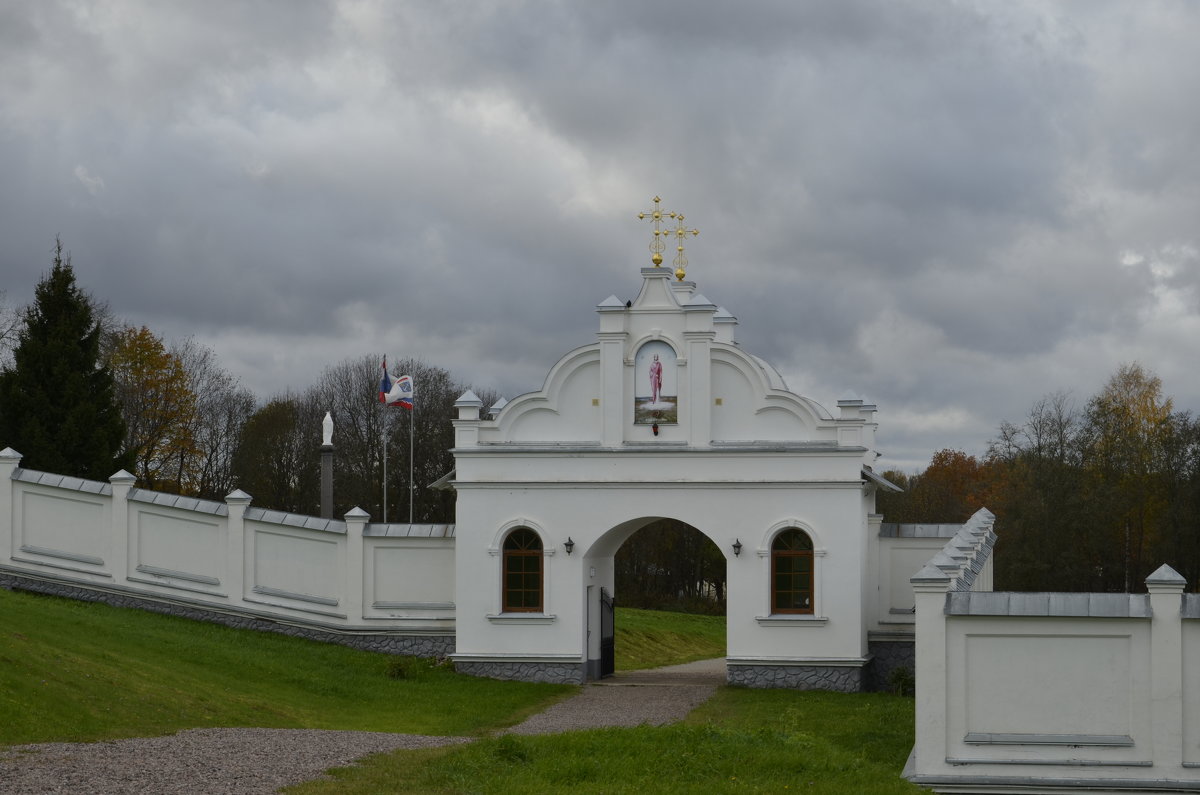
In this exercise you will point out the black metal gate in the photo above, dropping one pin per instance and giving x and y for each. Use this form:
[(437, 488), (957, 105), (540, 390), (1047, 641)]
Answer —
[(608, 656)]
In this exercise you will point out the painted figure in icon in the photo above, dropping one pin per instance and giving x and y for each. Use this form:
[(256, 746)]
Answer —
[(655, 379)]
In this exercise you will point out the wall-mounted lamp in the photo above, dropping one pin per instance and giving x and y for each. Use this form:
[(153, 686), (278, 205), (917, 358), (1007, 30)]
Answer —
[(737, 547), (569, 545)]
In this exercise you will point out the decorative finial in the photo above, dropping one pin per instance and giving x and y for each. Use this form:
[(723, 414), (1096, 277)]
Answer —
[(680, 232), (656, 243)]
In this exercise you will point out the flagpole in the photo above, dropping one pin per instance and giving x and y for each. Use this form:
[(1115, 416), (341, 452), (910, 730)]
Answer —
[(383, 438), (411, 425)]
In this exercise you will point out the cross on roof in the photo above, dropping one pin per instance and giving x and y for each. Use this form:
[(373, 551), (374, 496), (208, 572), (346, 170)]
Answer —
[(656, 243), (680, 232)]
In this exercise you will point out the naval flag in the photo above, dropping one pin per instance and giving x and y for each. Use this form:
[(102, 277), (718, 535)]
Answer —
[(395, 393)]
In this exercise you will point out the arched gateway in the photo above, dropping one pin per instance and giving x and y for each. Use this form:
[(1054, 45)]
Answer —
[(665, 416)]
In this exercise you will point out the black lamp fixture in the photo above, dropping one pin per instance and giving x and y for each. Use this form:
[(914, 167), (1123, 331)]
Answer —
[(569, 545), (737, 547)]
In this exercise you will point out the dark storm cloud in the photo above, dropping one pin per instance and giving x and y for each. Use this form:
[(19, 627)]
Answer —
[(949, 208)]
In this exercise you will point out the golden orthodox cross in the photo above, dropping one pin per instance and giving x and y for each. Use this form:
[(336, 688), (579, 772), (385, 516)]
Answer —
[(680, 232), (656, 243)]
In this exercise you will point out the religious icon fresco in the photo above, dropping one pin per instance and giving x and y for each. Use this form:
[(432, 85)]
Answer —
[(655, 385)]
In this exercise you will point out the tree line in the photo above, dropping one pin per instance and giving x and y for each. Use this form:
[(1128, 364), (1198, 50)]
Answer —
[(1087, 498), (84, 394)]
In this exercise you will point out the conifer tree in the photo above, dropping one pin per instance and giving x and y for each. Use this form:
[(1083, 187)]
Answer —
[(57, 404)]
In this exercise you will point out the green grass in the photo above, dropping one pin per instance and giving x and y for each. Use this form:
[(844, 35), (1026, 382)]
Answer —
[(78, 671), (741, 741), (75, 671), (652, 638)]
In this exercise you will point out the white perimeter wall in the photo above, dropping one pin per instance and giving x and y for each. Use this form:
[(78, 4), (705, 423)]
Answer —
[(1048, 692), (227, 556)]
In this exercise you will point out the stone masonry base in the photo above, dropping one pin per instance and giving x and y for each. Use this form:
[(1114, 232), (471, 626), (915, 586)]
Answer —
[(887, 657), (838, 678), (385, 642), (557, 673)]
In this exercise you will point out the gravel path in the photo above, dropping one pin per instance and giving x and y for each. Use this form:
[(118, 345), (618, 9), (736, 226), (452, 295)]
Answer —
[(253, 761), (653, 697), (199, 761)]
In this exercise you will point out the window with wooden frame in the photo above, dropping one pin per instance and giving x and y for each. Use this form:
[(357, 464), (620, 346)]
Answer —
[(522, 586), (792, 572)]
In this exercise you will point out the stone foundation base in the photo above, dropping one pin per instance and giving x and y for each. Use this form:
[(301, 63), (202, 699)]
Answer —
[(554, 672), (838, 678), (432, 646), (887, 657)]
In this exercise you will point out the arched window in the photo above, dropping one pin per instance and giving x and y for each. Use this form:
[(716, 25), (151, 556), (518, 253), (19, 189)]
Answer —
[(792, 572), (522, 572)]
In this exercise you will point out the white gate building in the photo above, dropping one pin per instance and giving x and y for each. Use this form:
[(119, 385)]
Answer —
[(665, 416)]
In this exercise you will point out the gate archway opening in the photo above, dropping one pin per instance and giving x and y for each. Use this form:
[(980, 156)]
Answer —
[(669, 582)]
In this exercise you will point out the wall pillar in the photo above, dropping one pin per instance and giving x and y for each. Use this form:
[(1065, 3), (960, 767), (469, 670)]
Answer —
[(119, 551), (466, 427), (356, 523), (612, 388), (699, 387), (10, 459), (930, 585), (1166, 666), (235, 545)]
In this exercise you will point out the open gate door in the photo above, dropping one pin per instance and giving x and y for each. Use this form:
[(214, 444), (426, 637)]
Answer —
[(608, 656)]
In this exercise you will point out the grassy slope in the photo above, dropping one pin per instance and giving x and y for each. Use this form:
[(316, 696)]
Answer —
[(741, 741), (76, 671), (651, 638)]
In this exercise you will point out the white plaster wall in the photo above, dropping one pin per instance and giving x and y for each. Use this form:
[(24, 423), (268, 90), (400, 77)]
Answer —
[(569, 415), (81, 536), (410, 577), (743, 413), (69, 527), (292, 567), (731, 420), (803, 469), (1047, 676), (898, 560), (595, 515), (172, 542), (1191, 692)]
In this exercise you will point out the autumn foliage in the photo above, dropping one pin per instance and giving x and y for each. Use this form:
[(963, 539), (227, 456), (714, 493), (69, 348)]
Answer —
[(1086, 499)]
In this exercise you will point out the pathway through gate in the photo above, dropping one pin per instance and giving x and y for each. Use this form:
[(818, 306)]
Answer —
[(652, 697)]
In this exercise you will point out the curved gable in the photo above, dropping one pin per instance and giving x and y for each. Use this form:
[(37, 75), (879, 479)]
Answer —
[(756, 404), (561, 411)]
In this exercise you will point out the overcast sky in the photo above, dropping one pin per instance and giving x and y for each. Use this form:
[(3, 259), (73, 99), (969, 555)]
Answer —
[(948, 208)]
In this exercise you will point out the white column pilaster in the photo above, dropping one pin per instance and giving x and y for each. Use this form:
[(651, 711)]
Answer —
[(356, 523), (1166, 666), (10, 459), (235, 545), (120, 551)]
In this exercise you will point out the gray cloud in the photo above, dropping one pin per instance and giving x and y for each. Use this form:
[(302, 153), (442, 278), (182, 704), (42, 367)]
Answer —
[(951, 209)]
